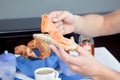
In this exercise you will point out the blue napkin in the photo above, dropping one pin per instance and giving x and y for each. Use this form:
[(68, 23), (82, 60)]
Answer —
[(14, 79), (27, 66)]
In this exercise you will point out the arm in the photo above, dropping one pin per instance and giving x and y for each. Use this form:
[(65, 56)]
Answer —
[(98, 25), (106, 73), (92, 25)]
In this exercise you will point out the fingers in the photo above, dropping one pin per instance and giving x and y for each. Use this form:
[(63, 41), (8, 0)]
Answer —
[(61, 30), (66, 57), (63, 55), (57, 51), (80, 50), (74, 68), (57, 16), (83, 52), (58, 24), (62, 16), (60, 27), (54, 15)]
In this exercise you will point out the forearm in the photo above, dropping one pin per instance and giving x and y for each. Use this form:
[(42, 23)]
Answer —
[(90, 25), (107, 74), (98, 25)]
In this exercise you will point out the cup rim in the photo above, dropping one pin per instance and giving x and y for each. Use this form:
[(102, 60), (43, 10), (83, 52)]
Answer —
[(44, 68)]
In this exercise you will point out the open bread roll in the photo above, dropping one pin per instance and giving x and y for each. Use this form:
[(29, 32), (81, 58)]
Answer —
[(70, 46), (53, 36), (24, 51), (41, 46)]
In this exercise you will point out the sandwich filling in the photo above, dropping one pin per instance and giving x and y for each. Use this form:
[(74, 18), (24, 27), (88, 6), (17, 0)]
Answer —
[(47, 26)]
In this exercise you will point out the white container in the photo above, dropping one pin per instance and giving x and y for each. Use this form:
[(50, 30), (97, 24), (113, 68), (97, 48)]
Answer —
[(7, 66)]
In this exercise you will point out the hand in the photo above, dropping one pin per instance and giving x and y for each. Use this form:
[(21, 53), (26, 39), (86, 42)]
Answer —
[(84, 63), (64, 21)]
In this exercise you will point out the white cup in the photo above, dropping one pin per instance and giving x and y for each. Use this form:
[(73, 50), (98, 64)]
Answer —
[(46, 73)]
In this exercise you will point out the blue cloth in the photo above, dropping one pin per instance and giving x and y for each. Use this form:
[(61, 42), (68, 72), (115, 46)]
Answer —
[(27, 66), (14, 79)]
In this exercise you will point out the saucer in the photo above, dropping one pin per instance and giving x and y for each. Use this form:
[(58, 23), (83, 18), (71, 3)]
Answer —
[(58, 79)]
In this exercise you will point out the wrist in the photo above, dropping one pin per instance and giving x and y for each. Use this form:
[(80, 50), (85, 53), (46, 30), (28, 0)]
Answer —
[(78, 24), (105, 73), (97, 73)]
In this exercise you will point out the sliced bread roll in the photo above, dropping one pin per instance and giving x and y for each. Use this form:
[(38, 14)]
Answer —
[(70, 46)]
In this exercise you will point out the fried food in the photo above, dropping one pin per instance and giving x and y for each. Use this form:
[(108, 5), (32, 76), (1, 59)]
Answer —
[(24, 51), (27, 51), (41, 46)]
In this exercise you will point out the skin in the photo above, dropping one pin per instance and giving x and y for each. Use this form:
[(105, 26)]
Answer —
[(92, 25)]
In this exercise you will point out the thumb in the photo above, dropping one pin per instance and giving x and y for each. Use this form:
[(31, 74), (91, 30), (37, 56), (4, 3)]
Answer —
[(82, 51)]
